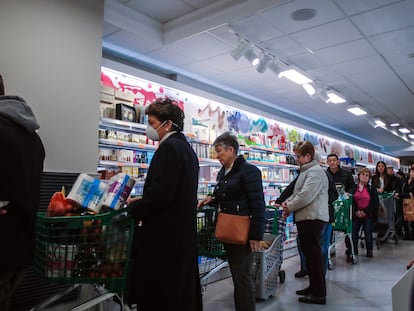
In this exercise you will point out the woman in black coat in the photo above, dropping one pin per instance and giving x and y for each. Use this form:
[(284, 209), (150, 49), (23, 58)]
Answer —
[(239, 190), (165, 272)]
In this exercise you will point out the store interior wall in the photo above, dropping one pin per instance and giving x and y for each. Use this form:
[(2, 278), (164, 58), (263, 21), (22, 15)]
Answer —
[(50, 54)]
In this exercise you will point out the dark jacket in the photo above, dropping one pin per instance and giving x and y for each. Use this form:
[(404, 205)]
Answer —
[(165, 260), (344, 178), (388, 182), (372, 209), (22, 155), (241, 192), (406, 189)]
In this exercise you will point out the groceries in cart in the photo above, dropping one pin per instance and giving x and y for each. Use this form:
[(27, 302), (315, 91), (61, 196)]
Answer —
[(92, 195)]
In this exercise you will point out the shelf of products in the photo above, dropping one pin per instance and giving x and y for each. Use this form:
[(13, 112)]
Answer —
[(123, 146)]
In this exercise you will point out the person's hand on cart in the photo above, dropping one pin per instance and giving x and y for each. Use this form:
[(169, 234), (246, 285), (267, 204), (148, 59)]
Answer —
[(255, 246), (205, 201), (286, 211)]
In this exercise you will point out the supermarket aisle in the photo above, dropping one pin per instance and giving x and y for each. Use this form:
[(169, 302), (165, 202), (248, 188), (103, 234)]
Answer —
[(365, 286)]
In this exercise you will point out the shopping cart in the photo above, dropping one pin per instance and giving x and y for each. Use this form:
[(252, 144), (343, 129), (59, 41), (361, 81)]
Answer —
[(211, 251), (385, 225), (267, 263), (342, 228), (89, 249)]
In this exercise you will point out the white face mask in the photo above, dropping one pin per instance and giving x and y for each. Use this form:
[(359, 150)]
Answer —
[(152, 132)]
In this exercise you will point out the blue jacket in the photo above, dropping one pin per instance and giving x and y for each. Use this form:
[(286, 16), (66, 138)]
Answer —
[(241, 192)]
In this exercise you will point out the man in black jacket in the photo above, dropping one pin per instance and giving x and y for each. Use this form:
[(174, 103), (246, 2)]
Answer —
[(22, 155)]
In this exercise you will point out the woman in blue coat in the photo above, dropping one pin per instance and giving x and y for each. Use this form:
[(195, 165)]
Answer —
[(165, 272)]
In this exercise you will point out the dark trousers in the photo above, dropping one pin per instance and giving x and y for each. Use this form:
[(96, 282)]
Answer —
[(310, 232), (368, 226), (8, 282), (240, 259), (326, 237)]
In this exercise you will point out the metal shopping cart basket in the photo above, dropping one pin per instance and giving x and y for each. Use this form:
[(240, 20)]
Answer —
[(92, 249), (342, 227), (267, 264), (385, 226), (211, 251)]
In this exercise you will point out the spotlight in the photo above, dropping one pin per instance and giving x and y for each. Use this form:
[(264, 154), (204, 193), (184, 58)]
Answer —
[(277, 67), (241, 49), (252, 57), (379, 123), (264, 62)]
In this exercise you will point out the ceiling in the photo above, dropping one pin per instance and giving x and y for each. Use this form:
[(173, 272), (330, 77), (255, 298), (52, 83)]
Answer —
[(362, 49)]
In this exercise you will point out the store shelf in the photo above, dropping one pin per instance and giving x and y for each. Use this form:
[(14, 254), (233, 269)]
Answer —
[(120, 164), (104, 142), (122, 125)]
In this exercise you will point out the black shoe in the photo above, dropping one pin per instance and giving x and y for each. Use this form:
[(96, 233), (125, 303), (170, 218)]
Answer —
[(301, 274), (304, 292), (313, 299), (369, 254)]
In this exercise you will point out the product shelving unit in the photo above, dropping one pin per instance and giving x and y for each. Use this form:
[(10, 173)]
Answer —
[(276, 172)]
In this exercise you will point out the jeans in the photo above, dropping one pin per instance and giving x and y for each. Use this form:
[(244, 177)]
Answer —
[(240, 258), (368, 226), (325, 243)]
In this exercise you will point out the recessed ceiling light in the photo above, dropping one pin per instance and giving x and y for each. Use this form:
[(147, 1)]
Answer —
[(334, 98), (357, 111), (411, 136), (404, 130), (295, 76), (379, 123), (395, 124)]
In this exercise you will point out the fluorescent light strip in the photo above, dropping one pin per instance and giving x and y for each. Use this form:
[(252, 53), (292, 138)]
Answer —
[(379, 123), (395, 124), (309, 89), (404, 130), (295, 76), (357, 111), (411, 136), (334, 98)]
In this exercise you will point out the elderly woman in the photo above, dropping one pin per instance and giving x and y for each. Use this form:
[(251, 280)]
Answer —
[(239, 190), (309, 201), (166, 219)]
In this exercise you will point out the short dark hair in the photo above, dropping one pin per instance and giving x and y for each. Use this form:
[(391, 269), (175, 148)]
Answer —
[(305, 147), (333, 155), (165, 109), (1, 86), (227, 140)]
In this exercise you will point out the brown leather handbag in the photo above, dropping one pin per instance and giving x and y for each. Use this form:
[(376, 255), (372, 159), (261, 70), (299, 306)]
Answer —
[(408, 208), (232, 229)]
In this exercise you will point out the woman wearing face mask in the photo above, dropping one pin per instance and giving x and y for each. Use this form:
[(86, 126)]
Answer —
[(164, 271)]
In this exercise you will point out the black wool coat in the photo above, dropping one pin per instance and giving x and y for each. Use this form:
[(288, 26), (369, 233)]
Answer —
[(164, 273), (241, 192), (21, 155)]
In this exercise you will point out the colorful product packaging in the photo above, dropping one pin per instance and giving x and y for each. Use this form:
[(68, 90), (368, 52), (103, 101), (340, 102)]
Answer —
[(120, 187)]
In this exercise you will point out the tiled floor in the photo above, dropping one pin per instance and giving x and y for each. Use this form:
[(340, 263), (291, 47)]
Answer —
[(365, 286)]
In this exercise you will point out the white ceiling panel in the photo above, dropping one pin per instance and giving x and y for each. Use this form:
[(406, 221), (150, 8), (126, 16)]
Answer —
[(327, 35), (352, 7), (281, 15), (283, 47), (385, 19), (255, 28), (364, 65), (394, 40), (345, 52), (201, 46), (406, 72), (109, 29)]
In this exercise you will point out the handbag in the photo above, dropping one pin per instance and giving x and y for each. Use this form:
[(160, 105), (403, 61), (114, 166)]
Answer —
[(232, 229), (408, 208)]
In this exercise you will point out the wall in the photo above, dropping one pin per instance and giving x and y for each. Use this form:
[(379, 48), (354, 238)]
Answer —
[(50, 54)]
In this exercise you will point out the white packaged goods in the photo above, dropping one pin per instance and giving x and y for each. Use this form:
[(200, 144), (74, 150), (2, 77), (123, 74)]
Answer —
[(120, 187), (88, 192)]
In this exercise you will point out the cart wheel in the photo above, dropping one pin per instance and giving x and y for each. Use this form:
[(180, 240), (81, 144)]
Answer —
[(354, 259), (282, 276), (330, 265)]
